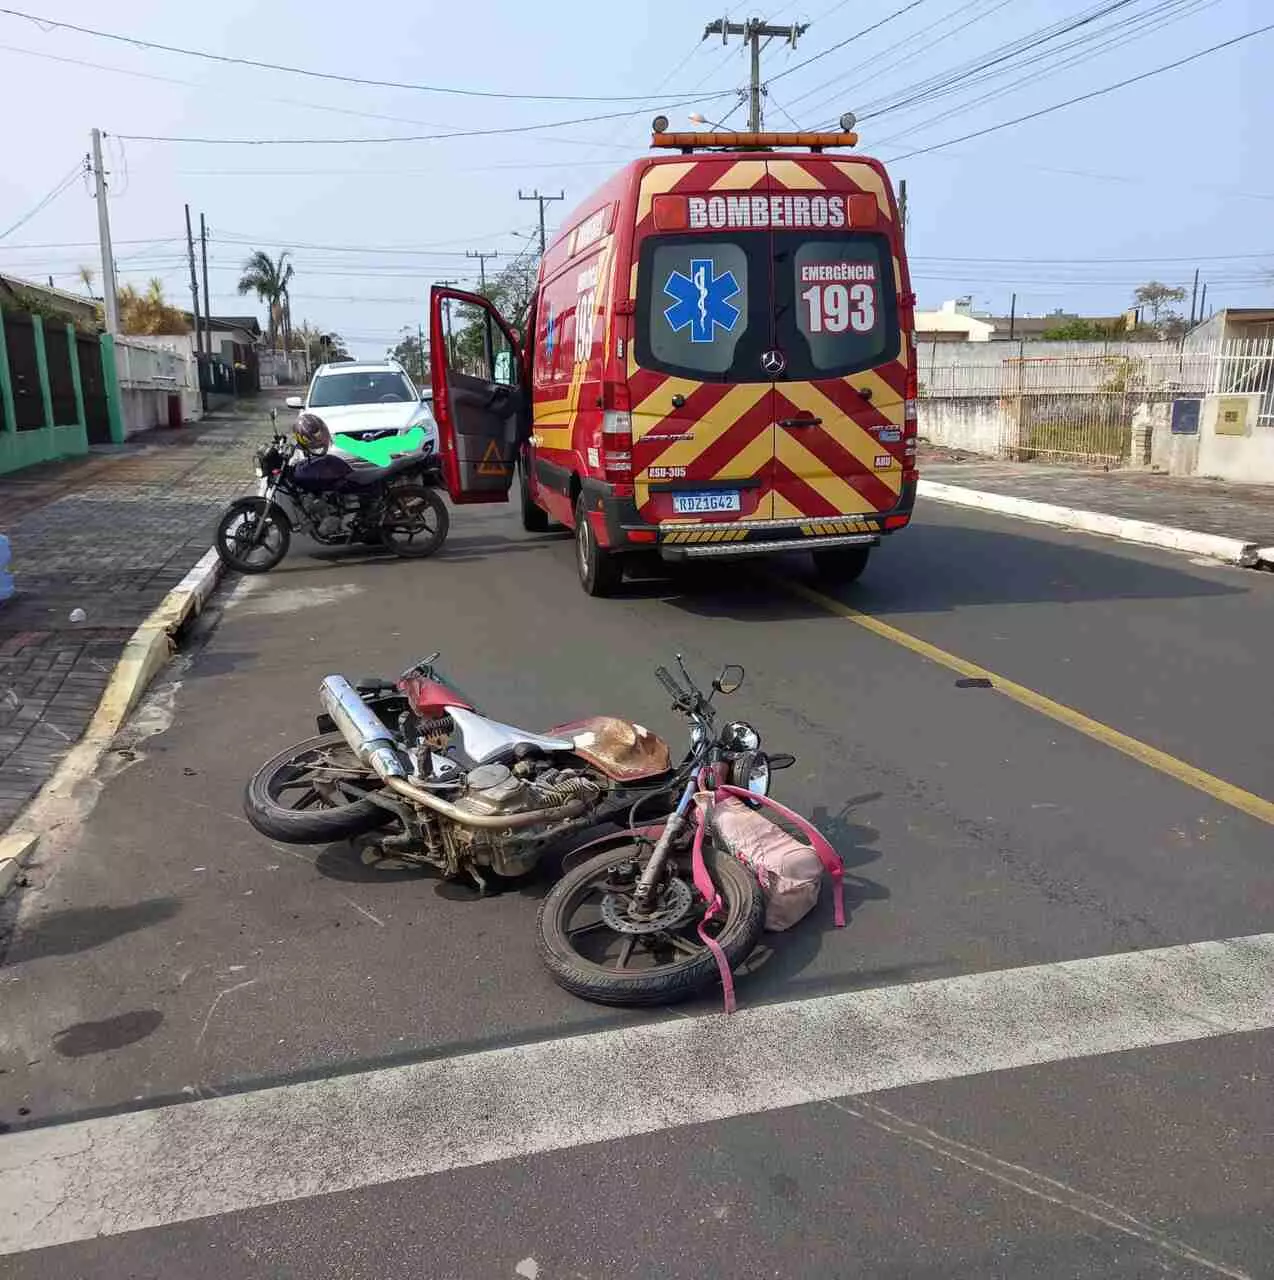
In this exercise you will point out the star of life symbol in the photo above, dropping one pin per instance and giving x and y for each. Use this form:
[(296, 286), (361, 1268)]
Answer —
[(701, 300)]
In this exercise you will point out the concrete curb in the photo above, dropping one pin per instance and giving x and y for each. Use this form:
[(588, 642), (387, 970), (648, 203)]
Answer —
[(147, 651), (1230, 550)]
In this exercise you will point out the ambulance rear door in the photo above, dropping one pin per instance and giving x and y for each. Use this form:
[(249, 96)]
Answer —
[(480, 395), (839, 400), (701, 394)]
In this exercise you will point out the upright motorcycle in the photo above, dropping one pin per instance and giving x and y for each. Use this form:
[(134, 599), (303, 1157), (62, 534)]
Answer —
[(333, 499)]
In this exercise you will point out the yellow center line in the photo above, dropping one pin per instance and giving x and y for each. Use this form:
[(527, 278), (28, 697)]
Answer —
[(1217, 788)]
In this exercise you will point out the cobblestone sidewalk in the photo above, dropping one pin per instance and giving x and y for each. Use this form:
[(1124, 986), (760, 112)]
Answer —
[(1244, 511), (110, 534)]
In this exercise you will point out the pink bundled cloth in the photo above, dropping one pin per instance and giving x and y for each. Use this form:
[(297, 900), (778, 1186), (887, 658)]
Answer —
[(789, 872)]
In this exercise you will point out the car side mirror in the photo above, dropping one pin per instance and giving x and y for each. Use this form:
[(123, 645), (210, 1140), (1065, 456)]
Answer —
[(730, 680), (294, 402)]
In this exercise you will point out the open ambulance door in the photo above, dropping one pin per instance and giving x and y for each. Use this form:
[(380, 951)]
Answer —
[(481, 399)]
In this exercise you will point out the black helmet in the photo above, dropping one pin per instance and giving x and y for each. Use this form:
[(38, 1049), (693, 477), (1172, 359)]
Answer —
[(312, 434)]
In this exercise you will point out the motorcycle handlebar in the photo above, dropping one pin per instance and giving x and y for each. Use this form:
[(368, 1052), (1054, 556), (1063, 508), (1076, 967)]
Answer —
[(664, 676)]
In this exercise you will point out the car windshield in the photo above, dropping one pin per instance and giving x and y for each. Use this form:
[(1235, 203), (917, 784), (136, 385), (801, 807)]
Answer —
[(382, 386)]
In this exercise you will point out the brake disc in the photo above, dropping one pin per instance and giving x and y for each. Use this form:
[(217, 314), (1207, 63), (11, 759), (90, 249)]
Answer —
[(674, 905)]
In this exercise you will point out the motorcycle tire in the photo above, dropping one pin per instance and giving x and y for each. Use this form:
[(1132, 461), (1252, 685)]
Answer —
[(662, 984), (230, 549), (326, 825), (415, 544)]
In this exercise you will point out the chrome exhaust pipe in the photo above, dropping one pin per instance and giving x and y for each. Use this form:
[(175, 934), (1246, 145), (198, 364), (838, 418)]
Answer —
[(371, 739), (373, 742)]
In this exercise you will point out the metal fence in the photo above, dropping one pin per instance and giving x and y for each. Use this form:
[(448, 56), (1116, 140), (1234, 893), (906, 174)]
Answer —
[(1077, 403), (1245, 366)]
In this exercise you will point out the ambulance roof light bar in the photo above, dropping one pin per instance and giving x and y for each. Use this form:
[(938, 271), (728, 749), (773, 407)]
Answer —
[(721, 140)]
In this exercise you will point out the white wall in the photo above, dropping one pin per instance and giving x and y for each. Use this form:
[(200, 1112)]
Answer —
[(980, 424), (1248, 458), (151, 370)]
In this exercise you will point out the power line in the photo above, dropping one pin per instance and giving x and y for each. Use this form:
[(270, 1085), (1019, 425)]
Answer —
[(889, 17), (63, 184), (1099, 40), (418, 137), (139, 43), (1085, 97), (1140, 24)]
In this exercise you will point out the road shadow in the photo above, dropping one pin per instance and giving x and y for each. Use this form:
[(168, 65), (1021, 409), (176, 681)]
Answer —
[(76, 929), (935, 569)]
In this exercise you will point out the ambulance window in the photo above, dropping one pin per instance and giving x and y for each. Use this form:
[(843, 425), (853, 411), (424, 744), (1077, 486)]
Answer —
[(842, 301), (694, 312)]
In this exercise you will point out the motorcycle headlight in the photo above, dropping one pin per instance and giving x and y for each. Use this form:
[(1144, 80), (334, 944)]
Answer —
[(738, 736), (259, 468), (698, 737), (752, 772)]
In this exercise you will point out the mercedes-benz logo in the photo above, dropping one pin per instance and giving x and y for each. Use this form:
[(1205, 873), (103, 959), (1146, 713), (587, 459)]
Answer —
[(774, 362)]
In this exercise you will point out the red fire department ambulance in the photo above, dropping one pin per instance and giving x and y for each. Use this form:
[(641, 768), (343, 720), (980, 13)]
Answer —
[(718, 361)]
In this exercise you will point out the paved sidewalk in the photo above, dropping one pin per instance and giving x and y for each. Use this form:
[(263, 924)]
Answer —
[(110, 534), (1243, 511)]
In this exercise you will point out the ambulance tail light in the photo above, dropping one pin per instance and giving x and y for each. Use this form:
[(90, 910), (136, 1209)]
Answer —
[(617, 445), (909, 424), (897, 522)]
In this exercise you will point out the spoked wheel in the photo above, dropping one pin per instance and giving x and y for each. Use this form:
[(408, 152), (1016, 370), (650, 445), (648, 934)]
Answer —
[(314, 793), (595, 946), (415, 522), (252, 538)]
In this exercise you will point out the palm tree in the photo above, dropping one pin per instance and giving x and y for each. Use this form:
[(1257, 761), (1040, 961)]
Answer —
[(269, 279)]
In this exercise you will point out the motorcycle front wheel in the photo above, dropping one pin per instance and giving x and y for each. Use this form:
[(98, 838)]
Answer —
[(415, 521), (314, 792), (584, 937), (251, 538)]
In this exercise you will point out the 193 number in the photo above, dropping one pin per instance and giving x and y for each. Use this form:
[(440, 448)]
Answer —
[(833, 308)]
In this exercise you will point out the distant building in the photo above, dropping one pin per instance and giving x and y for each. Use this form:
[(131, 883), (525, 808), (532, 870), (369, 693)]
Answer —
[(1231, 323), (17, 294), (956, 321)]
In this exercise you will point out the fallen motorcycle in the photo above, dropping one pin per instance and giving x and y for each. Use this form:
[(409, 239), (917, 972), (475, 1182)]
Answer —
[(333, 499), (413, 765)]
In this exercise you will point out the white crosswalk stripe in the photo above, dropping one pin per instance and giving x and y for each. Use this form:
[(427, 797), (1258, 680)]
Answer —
[(172, 1164)]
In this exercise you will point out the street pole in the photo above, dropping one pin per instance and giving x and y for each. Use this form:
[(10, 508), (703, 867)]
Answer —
[(1194, 294), (902, 207), (1012, 316), (752, 31), (420, 351), (482, 264), (541, 201), (194, 283), (110, 294), (207, 297)]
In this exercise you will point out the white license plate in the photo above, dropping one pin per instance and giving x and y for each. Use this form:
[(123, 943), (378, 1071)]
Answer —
[(693, 504)]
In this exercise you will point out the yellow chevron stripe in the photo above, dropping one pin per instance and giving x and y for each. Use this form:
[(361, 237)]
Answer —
[(884, 399), (842, 495), (784, 509), (659, 402), (741, 174), (656, 182), (843, 430), (793, 177), (864, 176)]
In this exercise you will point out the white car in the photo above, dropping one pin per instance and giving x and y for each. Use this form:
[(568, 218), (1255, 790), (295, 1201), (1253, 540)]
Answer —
[(369, 401)]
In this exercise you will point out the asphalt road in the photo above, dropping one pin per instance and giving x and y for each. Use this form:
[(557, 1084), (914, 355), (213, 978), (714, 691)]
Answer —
[(167, 952)]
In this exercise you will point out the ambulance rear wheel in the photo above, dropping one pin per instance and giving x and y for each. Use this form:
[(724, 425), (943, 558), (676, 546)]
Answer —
[(534, 519), (841, 564), (600, 571)]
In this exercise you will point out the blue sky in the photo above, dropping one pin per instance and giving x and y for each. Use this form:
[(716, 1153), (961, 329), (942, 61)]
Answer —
[(1071, 210)]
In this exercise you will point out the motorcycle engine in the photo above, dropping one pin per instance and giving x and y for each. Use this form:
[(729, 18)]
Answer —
[(493, 789), (326, 517)]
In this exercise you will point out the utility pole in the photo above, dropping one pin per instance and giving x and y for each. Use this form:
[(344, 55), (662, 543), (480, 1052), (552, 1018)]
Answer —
[(1012, 317), (482, 264), (109, 293), (1194, 294), (902, 206), (207, 297), (752, 31), (194, 284), (541, 201), (420, 351)]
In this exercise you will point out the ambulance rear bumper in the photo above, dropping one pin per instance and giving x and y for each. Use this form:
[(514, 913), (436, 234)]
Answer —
[(625, 531), (772, 546)]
